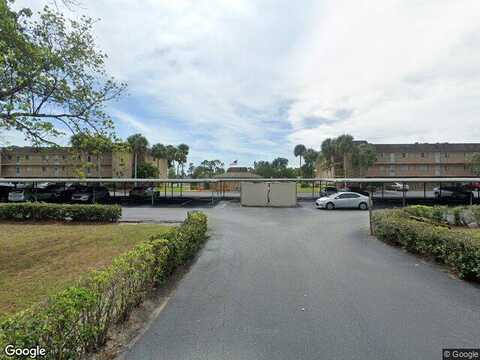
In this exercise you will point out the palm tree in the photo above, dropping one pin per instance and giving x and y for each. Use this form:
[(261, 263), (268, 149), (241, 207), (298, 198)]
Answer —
[(159, 152), (182, 151), (344, 145), (170, 152), (139, 145), (299, 150)]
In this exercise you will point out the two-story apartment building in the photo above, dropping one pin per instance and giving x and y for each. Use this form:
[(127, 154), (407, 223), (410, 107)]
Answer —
[(418, 160), (63, 162)]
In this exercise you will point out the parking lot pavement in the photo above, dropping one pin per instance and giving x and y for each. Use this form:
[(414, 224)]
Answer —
[(301, 283)]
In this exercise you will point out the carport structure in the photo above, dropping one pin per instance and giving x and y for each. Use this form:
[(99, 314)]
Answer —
[(174, 188)]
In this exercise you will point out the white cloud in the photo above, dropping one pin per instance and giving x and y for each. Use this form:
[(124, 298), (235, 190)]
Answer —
[(250, 78)]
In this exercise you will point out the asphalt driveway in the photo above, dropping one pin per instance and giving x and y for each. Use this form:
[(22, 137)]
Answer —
[(308, 284)]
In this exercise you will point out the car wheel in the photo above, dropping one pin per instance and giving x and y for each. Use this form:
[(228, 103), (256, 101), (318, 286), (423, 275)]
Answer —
[(363, 206), (330, 206)]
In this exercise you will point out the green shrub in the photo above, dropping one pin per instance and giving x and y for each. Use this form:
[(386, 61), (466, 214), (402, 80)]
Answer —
[(60, 212), (457, 249), (76, 320)]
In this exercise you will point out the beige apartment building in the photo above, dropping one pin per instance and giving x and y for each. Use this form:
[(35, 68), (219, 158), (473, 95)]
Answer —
[(415, 160), (63, 162)]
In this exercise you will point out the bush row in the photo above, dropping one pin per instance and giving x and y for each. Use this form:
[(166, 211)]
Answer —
[(458, 215), (76, 321), (61, 212), (456, 248)]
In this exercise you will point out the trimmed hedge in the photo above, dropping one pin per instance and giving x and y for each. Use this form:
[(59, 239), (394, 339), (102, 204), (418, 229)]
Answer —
[(60, 212), (456, 248), (76, 321)]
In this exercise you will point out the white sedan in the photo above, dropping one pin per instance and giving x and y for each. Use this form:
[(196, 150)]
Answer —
[(343, 200)]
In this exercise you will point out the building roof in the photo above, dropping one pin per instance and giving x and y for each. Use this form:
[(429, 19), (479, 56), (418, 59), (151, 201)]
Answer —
[(32, 149), (237, 175), (428, 147)]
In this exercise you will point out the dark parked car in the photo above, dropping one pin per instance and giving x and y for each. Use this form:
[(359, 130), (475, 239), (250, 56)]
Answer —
[(4, 190), (452, 192), (91, 194), (69, 190), (472, 186), (328, 190), (359, 190), (142, 192)]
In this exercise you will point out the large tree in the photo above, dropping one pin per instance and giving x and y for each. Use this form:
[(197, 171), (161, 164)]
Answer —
[(52, 77), (92, 144), (475, 164), (182, 153), (171, 153), (308, 169), (278, 168), (344, 147), (159, 151), (139, 146), (299, 151)]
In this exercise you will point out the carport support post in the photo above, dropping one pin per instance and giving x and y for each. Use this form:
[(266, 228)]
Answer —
[(471, 196), (383, 190), (403, 196), (114, 189), (181, 189), (370, 205), (153, 192), (35, 188), (424, 190)]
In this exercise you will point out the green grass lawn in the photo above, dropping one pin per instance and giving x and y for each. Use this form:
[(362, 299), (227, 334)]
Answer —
[(37, 260)]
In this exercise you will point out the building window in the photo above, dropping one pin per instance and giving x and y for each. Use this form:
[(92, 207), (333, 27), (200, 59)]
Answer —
[(446, 168), (89, 158), (9, 157), (44, 157), (44, 169), (422, 155), (27, 157), (63, 157), (55, 171), (17, 170), (18, 158), (404, 155), (446, 155), (88, 171)]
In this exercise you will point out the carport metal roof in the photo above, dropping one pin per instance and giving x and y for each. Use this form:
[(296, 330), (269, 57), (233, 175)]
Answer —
[(331, 180)]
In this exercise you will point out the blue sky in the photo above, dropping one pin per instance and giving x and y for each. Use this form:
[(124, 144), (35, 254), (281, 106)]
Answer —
[(248, 79)]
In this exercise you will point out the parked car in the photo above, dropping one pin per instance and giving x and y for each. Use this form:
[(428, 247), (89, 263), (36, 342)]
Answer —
[(343, 200), (398, 187), (359, 190), (41, 192), (5, 188), (69, 190), (142, 192), (328, 190), (91, 194), (472, 186), (452, 192)]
